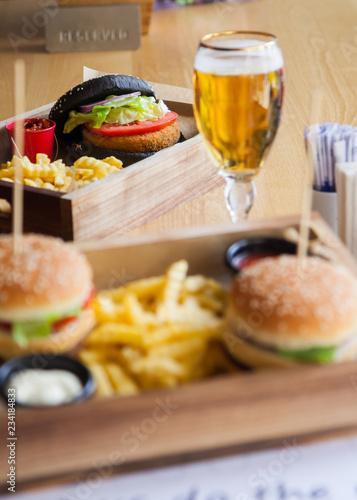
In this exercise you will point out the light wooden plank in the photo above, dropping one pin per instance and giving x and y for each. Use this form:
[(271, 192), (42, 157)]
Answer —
[(220, 415), (142, 192)]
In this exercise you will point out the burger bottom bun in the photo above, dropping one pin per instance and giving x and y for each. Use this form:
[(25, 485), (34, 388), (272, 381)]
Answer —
[(80, 148), (254, 356), (61, 342)]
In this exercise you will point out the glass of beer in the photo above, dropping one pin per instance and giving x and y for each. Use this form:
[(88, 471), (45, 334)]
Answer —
[(238, 92)]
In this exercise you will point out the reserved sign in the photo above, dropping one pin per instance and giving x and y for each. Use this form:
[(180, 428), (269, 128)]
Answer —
[(107, 27)]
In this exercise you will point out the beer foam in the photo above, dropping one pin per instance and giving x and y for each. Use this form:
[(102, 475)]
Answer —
[(240, 62)]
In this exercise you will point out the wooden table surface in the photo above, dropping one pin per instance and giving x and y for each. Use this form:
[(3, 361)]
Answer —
[(319, 43)]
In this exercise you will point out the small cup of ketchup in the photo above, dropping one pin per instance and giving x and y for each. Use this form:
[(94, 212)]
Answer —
[(244, 252), (38, 137)]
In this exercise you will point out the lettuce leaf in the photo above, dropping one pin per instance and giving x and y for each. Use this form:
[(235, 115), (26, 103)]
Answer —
[(23, 331), (121, 111), (312, 355)]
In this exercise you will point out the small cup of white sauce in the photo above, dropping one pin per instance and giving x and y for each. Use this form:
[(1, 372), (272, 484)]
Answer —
[(45, 380)]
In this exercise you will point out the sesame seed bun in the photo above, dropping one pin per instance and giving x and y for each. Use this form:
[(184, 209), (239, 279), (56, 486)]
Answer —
[(276, 305), (45, 278)]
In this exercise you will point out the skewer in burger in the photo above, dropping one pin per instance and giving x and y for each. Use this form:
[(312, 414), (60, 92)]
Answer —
[(282, 314), (45, 295), (115, 115)]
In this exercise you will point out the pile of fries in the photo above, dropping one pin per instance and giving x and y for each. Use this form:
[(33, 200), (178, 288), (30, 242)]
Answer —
[(57, 176), (157, 332)]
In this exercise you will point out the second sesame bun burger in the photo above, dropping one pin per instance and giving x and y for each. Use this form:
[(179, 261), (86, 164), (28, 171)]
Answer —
[(115, 115), (45, 292), (283, 314)]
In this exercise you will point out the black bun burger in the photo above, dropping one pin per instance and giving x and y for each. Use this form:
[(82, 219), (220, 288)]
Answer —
[(114, 115), (281, 314), (45, 295)]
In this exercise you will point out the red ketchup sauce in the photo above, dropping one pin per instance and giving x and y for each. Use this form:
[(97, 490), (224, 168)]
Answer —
[(35, 124), (242, 261)]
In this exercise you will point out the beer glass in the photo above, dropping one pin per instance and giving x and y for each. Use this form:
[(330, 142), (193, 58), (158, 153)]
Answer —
[(238, 91)]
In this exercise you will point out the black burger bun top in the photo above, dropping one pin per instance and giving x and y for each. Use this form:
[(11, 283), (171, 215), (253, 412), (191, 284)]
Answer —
[(93, 90)]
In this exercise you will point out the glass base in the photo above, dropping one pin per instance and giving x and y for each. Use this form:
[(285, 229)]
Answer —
[(239, 195)]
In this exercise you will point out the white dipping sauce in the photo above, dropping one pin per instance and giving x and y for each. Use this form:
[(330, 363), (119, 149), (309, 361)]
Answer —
[(45, 387)]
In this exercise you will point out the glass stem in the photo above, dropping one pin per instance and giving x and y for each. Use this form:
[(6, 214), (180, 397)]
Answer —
[(239, 196)]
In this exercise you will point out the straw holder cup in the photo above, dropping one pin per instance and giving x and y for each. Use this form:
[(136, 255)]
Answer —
[(325, 204)]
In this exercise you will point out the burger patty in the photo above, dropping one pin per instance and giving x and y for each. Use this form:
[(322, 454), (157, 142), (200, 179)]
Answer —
[(139, 143)]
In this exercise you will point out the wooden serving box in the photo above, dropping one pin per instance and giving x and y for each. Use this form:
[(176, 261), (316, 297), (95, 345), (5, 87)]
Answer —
[(126, 199), (218, 416)]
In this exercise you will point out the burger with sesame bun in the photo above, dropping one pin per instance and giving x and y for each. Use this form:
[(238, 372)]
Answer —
[(45, 292), (282, 313), (115, 115)]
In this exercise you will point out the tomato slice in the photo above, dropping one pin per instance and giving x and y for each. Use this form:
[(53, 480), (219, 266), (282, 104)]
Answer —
[(62, 323), (90, 299), (134, 128)]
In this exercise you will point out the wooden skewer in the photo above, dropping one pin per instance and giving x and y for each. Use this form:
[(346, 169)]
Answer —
[(72, 185), (305, 221), (306, 208), (17, 217)]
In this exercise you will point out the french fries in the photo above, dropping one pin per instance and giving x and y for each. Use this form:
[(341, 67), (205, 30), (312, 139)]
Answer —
[(157, 332), (56, 176)]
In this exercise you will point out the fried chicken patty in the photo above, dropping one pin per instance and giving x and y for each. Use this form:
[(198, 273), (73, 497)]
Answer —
[(138, 143)]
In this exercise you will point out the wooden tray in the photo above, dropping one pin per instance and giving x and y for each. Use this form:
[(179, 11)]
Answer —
[(124, 200), (209, 418)]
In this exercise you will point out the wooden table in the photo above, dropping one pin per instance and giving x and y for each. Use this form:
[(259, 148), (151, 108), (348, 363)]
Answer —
[(319, 43)]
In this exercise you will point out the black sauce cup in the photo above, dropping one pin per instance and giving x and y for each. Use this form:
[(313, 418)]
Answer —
[(47, 362), (243, 252)]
